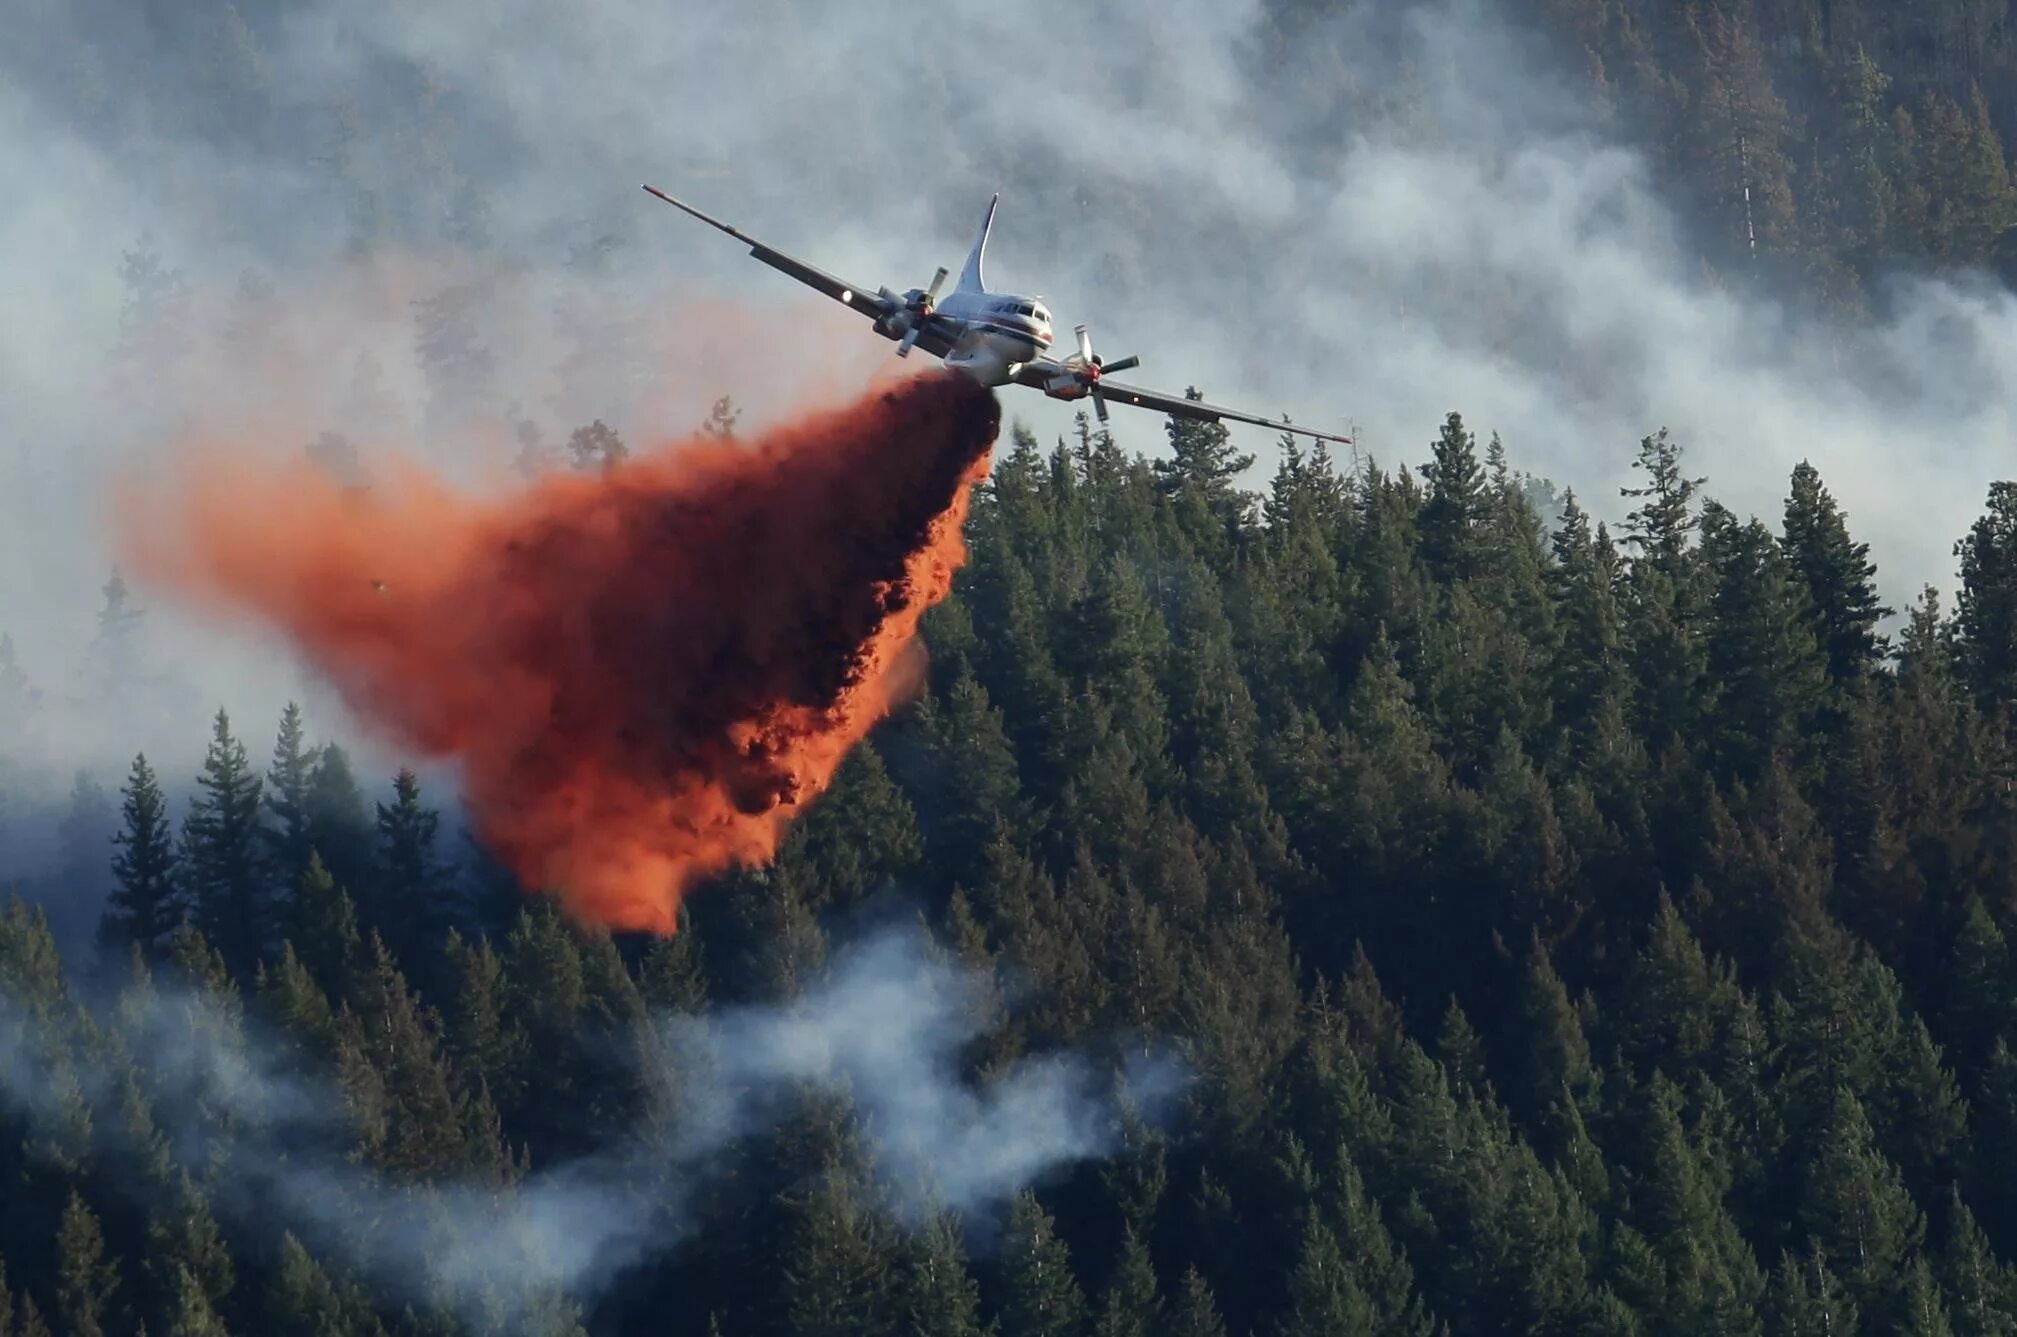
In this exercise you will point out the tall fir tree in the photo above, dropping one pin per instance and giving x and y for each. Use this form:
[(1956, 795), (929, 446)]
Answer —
[(222, 851), (148, 901)]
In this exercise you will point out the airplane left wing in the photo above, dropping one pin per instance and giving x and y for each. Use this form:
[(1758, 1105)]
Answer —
[(933, 338), (1197, 410)]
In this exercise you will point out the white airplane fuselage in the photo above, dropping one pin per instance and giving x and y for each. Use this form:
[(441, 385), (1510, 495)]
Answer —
[(1002, 332)]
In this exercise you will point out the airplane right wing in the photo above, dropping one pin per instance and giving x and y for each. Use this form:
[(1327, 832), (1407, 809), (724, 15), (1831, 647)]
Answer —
[(934, 338), (1177, 406)]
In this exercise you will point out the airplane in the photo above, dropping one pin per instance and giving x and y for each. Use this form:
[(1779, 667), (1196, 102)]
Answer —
[(997, 338)]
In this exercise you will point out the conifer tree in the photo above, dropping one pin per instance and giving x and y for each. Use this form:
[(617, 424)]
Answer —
[(286, 797), (1131, 1307), (86, 1280), (838, 1276), (221, 850), (147, 902), (1985, 618), (1759, 648), (1195, 1313), (409, 883), (1458, 507), (339, 826), (1839, 576), (1856, 1206), (936, 1296), (1203, 465), (1041, 1297), (598, 447)]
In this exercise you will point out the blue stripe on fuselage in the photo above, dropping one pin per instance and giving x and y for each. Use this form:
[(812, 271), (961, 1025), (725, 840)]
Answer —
[(1012, 331)]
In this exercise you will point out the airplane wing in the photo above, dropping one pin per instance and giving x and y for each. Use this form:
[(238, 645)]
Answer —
[(935, 338), (1115, 392)]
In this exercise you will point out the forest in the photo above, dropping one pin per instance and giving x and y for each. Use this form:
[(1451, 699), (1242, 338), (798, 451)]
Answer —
[(1382, 895), (1557, 931)]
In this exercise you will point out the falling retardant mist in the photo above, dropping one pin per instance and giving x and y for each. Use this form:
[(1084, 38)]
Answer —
[(642, 675)]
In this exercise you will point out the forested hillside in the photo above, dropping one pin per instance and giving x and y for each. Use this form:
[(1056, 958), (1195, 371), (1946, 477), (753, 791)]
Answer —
[(1813, 146), (1818, 144), (1387, 901), (1559, 931)]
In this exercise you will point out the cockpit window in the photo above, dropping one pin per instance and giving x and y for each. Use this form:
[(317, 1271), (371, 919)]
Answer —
[(1026, 310)]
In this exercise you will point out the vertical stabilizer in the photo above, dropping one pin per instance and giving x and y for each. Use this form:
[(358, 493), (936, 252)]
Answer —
[(970, 277)]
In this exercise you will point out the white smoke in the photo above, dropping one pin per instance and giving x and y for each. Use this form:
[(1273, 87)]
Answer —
[(884, 1028), (1395, 212)]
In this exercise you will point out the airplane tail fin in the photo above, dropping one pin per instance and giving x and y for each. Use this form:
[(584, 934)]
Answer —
[(970, 277)]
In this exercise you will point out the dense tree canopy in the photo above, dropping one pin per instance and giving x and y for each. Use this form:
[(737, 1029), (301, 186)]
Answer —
[(1560, 934)]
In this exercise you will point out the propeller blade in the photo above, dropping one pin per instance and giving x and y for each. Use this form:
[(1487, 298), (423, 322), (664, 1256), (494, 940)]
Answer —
[(909, 338), (1129, 361), (931, 293), (1100, 406), (1085, 345)]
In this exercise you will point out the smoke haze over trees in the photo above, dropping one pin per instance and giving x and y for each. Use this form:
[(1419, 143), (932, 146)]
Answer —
[(1543, 872)]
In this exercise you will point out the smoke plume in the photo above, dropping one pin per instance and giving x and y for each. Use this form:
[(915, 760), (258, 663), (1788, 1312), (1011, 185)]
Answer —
[(643, 674), (883, 1028)]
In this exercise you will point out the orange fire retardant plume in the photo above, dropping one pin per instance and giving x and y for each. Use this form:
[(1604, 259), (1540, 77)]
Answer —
[(643, 675)]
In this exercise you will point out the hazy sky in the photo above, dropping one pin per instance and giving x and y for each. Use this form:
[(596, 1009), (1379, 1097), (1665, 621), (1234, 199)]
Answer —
[(1373, 221)]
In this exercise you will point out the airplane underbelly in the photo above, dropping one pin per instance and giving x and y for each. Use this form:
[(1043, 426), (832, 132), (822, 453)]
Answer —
[(990, 356)]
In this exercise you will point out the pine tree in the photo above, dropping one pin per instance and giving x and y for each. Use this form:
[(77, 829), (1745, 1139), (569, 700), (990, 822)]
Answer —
[(193, 1315), (1839, 576), (1985, 619), (1588, 675), (113, 661), (189, 1266), (1324, 1298), (595, 448), (1195, 1313), (147, 902), (86, 1280), (1131, 1307), (302, 1298), (286, 797), (979, 785), (1760, 650), (1983, 1290), (1041, 1297), (220, 848), (1200, 475), (1659, 527), (1808, 1299), (1459, 505), (339, 825), (1856, 1207), (936, 1296), (837, 1277), (410, 886)]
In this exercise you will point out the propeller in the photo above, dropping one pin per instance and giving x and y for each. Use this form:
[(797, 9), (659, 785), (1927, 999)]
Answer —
[(1088, 368), (920, 312)]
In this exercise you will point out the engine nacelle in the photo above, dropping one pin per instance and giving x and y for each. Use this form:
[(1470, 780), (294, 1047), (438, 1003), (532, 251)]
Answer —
[(1064, 387), (898, 322)]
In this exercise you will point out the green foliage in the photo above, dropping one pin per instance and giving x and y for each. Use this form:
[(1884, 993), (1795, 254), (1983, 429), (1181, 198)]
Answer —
[(221, 846), (147, 902), (1557, 935)]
